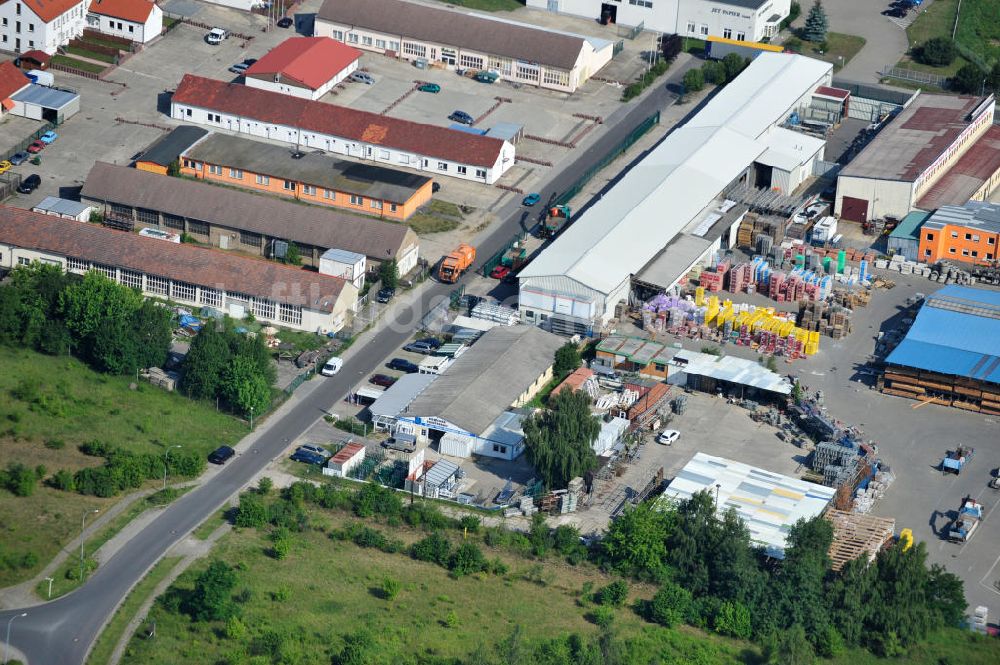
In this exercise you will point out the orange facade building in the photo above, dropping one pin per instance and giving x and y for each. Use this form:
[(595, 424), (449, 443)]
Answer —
[(311, 177), (969, 233)]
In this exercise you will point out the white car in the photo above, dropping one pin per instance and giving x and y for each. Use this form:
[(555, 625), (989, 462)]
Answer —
[(363, 77), (332, 366), (215, 36), (668, 436)]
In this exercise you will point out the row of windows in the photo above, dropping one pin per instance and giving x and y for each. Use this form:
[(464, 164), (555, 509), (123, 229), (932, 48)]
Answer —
[(973, 237), (17, 24), (261, 308), (965, 252)]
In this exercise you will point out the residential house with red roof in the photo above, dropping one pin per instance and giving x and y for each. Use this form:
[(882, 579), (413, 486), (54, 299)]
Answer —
[(340, 130), (43, 25), (306, 67), (138, 20), (12, 81), (183, 273)]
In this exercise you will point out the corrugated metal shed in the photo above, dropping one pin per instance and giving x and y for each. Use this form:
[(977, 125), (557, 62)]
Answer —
[(398, 396), (440, 473), (62, 207), (905, 238), (734, 370), (956, 332), (769, 503)]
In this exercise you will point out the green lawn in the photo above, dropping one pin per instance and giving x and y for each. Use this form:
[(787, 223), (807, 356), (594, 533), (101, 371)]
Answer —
[(210, 525), (101, 41), (936, 21), (62, 584), (302, 616), (446, 208), (77, 64), (424, 223), (71, 405), (840, 49), (112, 633), (979, 28), (488, 5), (93, 55)]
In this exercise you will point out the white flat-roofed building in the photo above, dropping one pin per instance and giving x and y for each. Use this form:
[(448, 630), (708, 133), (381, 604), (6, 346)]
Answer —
[(742, 20), (677, 191)]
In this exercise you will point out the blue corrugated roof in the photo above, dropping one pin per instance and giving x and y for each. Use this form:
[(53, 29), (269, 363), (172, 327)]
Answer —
[(950, 341)]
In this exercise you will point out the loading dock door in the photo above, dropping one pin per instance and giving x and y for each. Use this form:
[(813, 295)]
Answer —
[(854, 210)]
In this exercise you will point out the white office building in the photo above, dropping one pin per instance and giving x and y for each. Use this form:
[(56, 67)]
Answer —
[(743, 20)]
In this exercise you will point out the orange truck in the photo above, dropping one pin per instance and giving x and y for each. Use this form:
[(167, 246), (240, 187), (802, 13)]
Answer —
[(456, 263)]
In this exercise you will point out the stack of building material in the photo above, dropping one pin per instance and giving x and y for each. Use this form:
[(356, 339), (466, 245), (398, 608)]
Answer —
[(866, 498), (160, 378), (527, 506), (856, 536), (488, 311), (739, 277), (831, 320), (754, 226), (646, 407)]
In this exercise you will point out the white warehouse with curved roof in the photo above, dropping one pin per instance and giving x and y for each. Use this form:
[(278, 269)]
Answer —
[(658, 216)]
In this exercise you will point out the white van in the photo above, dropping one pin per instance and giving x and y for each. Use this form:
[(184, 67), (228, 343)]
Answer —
[(332, 366), (215, 36)]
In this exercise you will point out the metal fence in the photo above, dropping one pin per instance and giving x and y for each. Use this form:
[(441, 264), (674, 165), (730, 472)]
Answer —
[(25, 142), (634, 32), (612, 154), (495, 260), (914, 76)]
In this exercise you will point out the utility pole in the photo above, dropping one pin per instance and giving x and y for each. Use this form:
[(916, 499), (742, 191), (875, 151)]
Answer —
[(83, 523)]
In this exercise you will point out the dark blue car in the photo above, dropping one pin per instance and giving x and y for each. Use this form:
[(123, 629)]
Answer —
[(308, 457), (403, 365)]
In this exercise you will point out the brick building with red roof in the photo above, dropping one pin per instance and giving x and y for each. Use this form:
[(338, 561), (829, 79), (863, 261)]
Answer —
[(340, 130), (184, 273), (306, 67), (42, 25), (12, 81), (140, 21)]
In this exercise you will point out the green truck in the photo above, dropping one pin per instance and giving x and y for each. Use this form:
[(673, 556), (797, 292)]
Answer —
[(557, 219)]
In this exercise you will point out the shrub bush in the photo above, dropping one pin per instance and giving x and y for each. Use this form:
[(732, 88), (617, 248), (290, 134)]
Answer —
[(434, 548), (694, 80), (614, 594), (670, 605), (466, 560), (936, 52)]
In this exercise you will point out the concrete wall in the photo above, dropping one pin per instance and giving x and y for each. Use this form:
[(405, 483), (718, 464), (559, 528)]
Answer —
[(308, 192), (894, 198), (379, 154)]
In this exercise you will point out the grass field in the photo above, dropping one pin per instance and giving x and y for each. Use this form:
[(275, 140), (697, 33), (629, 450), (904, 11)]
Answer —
[(840, 49), (77, 64), (208, 526), (488, 5), (438, 217), (435, 614), (62, 404), (979, 29), (62, 584), (936, 21), (93, 55), (105, 645)]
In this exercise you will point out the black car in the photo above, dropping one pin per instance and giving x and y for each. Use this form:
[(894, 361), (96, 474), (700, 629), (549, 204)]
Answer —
[(895, 12), (221, 455), (462, 117), (29, 184), (435, 188), (285, 22), (403, 365), (386, 294)]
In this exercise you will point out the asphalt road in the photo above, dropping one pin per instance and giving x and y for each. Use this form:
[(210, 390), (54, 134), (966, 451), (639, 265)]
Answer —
[(61, 632)]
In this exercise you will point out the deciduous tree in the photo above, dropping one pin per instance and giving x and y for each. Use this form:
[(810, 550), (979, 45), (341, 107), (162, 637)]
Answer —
[(559, 439)]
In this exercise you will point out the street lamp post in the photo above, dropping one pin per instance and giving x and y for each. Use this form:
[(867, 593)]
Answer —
[(166, 461), (6, 645), (251, 418), (83, 523)]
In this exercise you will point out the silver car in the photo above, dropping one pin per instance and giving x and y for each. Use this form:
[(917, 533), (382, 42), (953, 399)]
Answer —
[(363, 77), (315, 450)]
